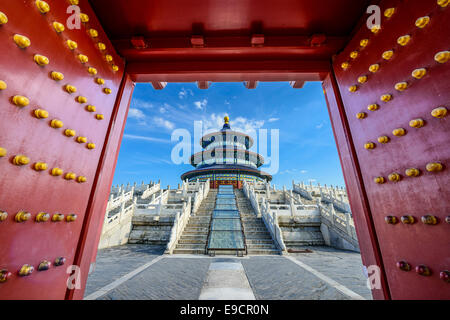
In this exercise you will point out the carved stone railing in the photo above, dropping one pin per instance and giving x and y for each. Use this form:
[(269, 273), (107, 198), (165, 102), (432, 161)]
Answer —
[(181, 219), (117, 201), (123, 214), (304, 192), (269, 219), (341, 222), (150, 190), (250, 194), (337, 202), (201, 194)]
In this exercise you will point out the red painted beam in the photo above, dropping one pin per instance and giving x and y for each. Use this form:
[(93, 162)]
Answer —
[(297, 84), (251, 84), (318, 40), (229, 71), (197, 41), (158, 85), (230, 48), (203, 84), (257, 40), (138, 42)]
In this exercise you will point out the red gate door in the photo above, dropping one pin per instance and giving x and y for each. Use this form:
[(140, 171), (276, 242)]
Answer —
[(58, 105), (395, 97)]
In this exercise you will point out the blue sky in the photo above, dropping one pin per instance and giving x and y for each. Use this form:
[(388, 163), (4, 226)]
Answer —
[(307, 150)]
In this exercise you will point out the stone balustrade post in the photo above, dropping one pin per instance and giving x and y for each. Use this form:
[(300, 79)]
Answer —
[(292, 207), (347, 225), (160, 205)]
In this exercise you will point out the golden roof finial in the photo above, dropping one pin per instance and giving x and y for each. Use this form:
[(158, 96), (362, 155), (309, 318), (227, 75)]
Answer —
[(226, 119)]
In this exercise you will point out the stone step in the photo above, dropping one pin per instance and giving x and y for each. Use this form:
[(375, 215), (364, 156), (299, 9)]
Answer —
[(257, 235), (258, 241), (310, 242), (194, 233), (203, 221), (193, 241), (148, 241), (190, 229), (206, 216), (189, 251), (197, 225), (254, 223), (192, 246), (263, 251), (261, 246), (194, 236), (254, 229), (227, 252)]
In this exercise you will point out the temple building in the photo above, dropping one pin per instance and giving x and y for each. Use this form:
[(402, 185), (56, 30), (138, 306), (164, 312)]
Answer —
[(226, 159)]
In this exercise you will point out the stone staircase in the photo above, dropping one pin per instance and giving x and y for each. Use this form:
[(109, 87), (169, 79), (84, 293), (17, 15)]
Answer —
[(147, 230), (257, 237), (298, 234), (195, 234)]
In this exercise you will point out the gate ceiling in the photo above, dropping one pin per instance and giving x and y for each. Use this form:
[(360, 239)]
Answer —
[(298, 37)]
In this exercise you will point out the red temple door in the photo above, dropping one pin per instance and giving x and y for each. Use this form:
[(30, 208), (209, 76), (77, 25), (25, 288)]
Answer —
[(389, 100), (61, 125)]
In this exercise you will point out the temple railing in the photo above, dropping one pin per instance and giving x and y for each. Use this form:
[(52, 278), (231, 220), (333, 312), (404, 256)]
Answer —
[(181, 219), (116, 201), (200, 195), (150, 190), (343, 222), (304, 192), (271, 221), (124, 213), (338, 203), (335, 195), (263, 211)]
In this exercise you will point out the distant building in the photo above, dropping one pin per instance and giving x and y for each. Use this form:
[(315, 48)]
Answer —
[(226, 160)]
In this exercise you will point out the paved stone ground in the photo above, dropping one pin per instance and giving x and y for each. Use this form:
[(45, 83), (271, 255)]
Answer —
[(277, 278), (180, 277), (113, 263), (168, 279), (342, 266)]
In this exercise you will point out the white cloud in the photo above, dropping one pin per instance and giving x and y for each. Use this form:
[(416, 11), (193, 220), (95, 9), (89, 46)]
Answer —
[(184, 92), (141, 104), (320, 125), (163, 123), (293, 171), (151, 139), (273, 119), (136, 114), (215, 122), (201, 104), (162, 110)]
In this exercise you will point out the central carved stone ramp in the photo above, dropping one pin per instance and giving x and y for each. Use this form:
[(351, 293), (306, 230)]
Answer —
[(195, 234), (226, 234), (257, 237)]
